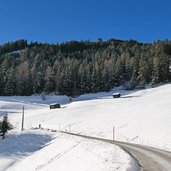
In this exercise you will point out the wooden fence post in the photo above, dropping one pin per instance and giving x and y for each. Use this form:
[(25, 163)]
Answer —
[(113, 133), (22, 125)]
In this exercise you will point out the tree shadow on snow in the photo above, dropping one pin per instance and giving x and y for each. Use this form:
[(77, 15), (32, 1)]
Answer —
[(23, 144), (2, 113), (127, 97), (108, 95)]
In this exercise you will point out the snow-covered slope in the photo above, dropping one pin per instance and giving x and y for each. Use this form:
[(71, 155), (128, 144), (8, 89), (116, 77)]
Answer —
[(140, 116)]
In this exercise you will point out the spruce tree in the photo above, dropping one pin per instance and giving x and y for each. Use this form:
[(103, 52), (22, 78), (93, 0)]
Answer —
[(10, 83), (5, 126)]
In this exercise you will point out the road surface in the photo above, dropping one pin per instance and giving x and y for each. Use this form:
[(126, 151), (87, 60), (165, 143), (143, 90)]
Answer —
[(148, 158)]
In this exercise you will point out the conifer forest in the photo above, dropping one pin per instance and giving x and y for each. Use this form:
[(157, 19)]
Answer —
[(77, 67)]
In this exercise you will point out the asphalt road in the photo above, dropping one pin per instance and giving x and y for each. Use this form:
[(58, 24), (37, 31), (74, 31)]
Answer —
[(148, 158)]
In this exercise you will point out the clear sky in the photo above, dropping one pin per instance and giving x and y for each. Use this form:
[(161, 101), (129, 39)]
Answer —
[(55, 21)]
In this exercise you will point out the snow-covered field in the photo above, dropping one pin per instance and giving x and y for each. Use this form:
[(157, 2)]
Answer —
[(142, 116)]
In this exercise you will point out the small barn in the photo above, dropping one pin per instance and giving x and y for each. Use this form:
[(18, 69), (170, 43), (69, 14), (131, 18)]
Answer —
[(116, 95), (55, 105)]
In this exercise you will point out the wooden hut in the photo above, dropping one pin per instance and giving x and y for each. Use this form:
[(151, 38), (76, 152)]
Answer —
[(116, 95), (55, 105)]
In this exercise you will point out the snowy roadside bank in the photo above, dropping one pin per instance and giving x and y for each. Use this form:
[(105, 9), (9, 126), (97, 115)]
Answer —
[(73, 153)]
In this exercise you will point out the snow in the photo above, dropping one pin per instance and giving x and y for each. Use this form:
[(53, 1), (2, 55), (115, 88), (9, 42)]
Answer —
[(17, 146), (70, 153), (139, 116)]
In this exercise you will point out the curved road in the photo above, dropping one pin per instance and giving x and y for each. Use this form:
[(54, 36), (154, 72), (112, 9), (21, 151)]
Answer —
[(149, 158)]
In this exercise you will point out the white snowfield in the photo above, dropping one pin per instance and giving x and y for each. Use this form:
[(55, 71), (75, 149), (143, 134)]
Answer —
[(142, 117)]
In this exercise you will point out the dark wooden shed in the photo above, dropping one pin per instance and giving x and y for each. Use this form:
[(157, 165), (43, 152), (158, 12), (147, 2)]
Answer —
[(116, 95), (55, 105)]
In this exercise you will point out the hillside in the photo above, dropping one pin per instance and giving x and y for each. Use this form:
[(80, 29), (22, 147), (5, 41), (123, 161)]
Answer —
[(138, 116), (74, 68)]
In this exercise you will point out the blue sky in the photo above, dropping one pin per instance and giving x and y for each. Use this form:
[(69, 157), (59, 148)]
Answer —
[(55, 21)]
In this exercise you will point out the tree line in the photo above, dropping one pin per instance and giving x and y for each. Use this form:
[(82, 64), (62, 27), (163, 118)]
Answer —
[(74, 68)]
